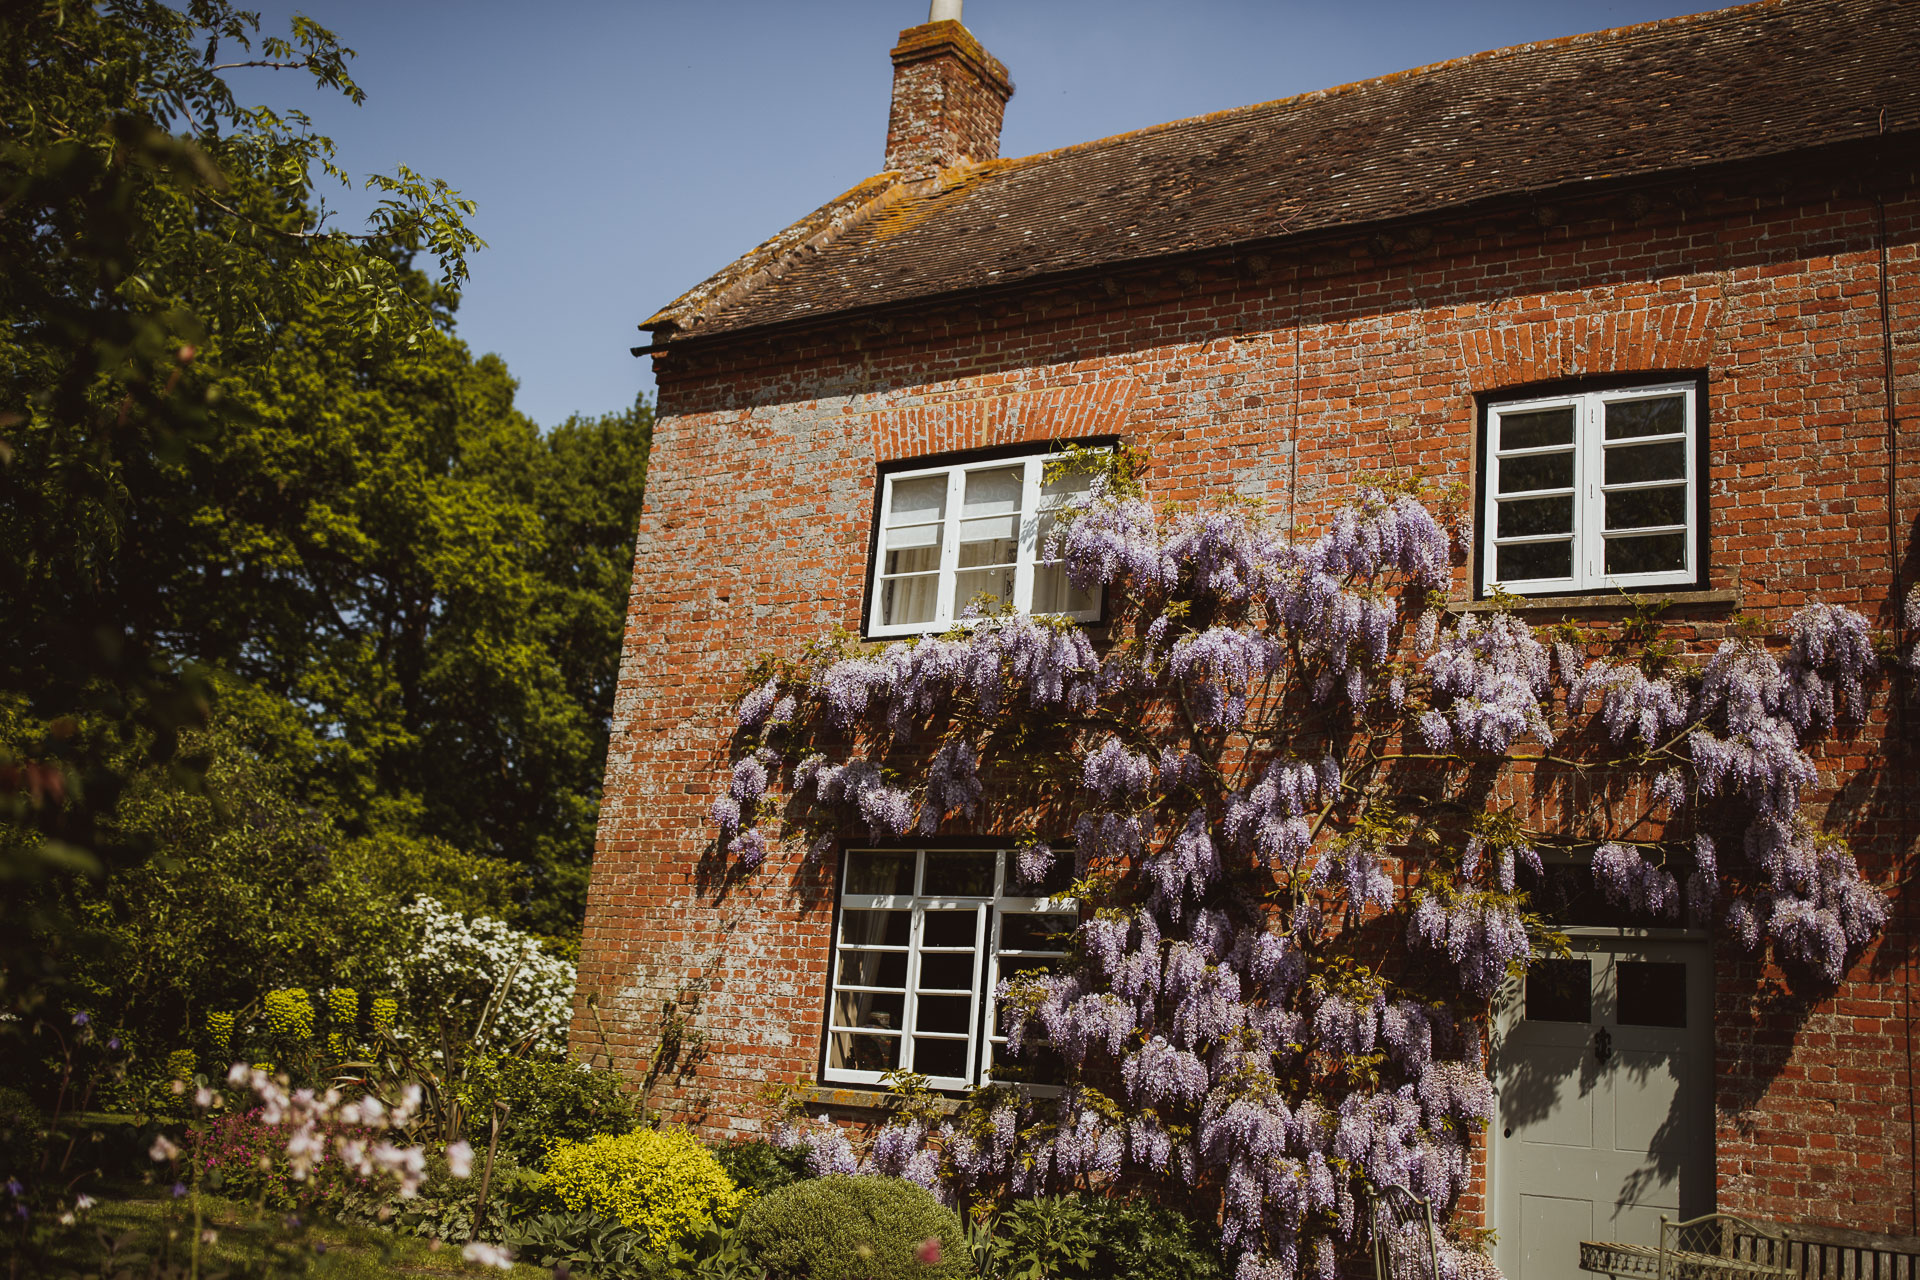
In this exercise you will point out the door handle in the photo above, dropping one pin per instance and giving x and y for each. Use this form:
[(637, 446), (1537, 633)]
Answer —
[(1603, 1046)]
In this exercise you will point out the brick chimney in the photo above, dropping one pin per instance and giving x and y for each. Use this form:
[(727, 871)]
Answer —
[(949, 96)]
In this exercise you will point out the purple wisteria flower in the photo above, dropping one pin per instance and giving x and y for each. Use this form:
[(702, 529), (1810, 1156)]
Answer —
[(1623, 874), (1495, 673), (1114, 774)]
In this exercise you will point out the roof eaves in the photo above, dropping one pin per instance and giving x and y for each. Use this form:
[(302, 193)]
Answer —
[(771, 257)]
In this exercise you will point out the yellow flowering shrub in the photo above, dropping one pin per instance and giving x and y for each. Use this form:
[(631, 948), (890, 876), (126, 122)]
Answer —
[(343, 1008), (382, 1015), (290, 1013), (661, 1182), (220, 1035), (181, 1064)]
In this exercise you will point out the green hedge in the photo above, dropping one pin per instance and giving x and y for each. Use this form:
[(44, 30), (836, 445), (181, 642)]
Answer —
[(842, 1228)]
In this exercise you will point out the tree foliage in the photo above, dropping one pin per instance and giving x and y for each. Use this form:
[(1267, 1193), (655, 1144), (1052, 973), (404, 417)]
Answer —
[(303, 614)]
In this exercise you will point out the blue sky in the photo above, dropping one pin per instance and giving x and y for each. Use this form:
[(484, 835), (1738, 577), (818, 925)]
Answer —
[(621, 152)]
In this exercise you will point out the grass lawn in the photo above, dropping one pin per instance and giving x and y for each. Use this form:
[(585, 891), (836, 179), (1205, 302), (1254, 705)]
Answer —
[(134, 1229)]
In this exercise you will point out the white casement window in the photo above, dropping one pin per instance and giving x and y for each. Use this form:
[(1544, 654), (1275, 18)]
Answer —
[(1592, 492), (923, 939), (953, 535)]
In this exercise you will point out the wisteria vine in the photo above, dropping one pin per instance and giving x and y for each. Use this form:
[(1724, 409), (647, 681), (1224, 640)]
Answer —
[(1298, 889)]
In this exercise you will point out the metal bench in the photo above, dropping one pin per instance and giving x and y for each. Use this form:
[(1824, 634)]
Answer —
[(1406, 1244), (1718, 1246)]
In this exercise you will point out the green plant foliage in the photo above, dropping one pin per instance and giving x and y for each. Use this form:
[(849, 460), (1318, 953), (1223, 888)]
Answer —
[(256, 892), (23, 1131), (760, 1167), (719, 1254), (1074, 1237), (580, 1240), (842, 1228), (661, 1182), (246, 468), (548, 1103)]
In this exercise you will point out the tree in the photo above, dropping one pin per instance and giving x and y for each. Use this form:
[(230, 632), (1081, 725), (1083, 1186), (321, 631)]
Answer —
[(1306, 809), (147, 220)]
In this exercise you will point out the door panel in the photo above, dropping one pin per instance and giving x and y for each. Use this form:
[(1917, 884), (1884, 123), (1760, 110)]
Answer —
[(1545, 1221), (1604, 1124)]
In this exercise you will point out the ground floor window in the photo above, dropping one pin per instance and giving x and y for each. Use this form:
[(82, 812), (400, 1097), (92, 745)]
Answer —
[(922, 939)]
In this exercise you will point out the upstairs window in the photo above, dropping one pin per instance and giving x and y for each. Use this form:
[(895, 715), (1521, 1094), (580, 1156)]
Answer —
[(923, 939), (1595, 491), (971, 532)]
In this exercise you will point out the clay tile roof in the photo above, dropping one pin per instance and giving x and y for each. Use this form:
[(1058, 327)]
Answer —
[(1737, 84)]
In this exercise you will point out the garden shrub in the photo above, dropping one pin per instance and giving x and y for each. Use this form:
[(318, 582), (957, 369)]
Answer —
[(1084, 1237), (23, 1133), (842, 1228), (758, 1166), (552, 1102), (661, 1182), (243, 1158)]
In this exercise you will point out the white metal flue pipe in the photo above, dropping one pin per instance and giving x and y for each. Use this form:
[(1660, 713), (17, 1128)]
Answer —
[(944, 11)]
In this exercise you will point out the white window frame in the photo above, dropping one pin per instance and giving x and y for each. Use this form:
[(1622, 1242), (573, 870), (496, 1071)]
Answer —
[(1589, 492), (990, 910), (947, 608)]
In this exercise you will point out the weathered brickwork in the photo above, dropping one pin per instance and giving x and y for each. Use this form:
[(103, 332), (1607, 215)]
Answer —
[(1282, 372), (949, 97)]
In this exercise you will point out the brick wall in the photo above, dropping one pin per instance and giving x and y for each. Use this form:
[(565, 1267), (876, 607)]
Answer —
[(1279, 372)]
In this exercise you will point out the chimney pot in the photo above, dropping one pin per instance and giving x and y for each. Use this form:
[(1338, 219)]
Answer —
[(949, 97)]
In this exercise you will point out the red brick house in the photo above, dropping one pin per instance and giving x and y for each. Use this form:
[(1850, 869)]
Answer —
[(1714, 217)]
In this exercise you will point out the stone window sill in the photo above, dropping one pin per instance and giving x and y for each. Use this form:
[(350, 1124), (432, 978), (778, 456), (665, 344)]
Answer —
[(1729, 600), (876, 1102)]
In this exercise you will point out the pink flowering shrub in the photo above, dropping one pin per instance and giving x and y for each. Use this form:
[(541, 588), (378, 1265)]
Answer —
[(1299, 886), (243, 1158)]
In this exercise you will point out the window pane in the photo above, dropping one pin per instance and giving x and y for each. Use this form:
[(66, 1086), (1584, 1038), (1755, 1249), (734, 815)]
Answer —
[(1012, 967), (1661, 553), (1641, 508), (1633, 463), (1542, 471), (940, 1057), (873, 969), (952, 1014), (1560, 991), (1530, 560), (922, 559), (1526, 516), (1020, 931), (993, 551), (876, 928), (1664, 416), (946, 971), (918, 501), (950, 928), (1537, 428), (1651, 994), (1037, 1064), (992, 589), (909, 538), (879, 872), (1052, 593), (864, 1053), (1062, 489), (959, 875), (992, 505), (875, 1009), (1057, 878), (909, 601)]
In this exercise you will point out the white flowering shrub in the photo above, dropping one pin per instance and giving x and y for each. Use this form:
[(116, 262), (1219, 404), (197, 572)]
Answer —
[(482, 976)]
